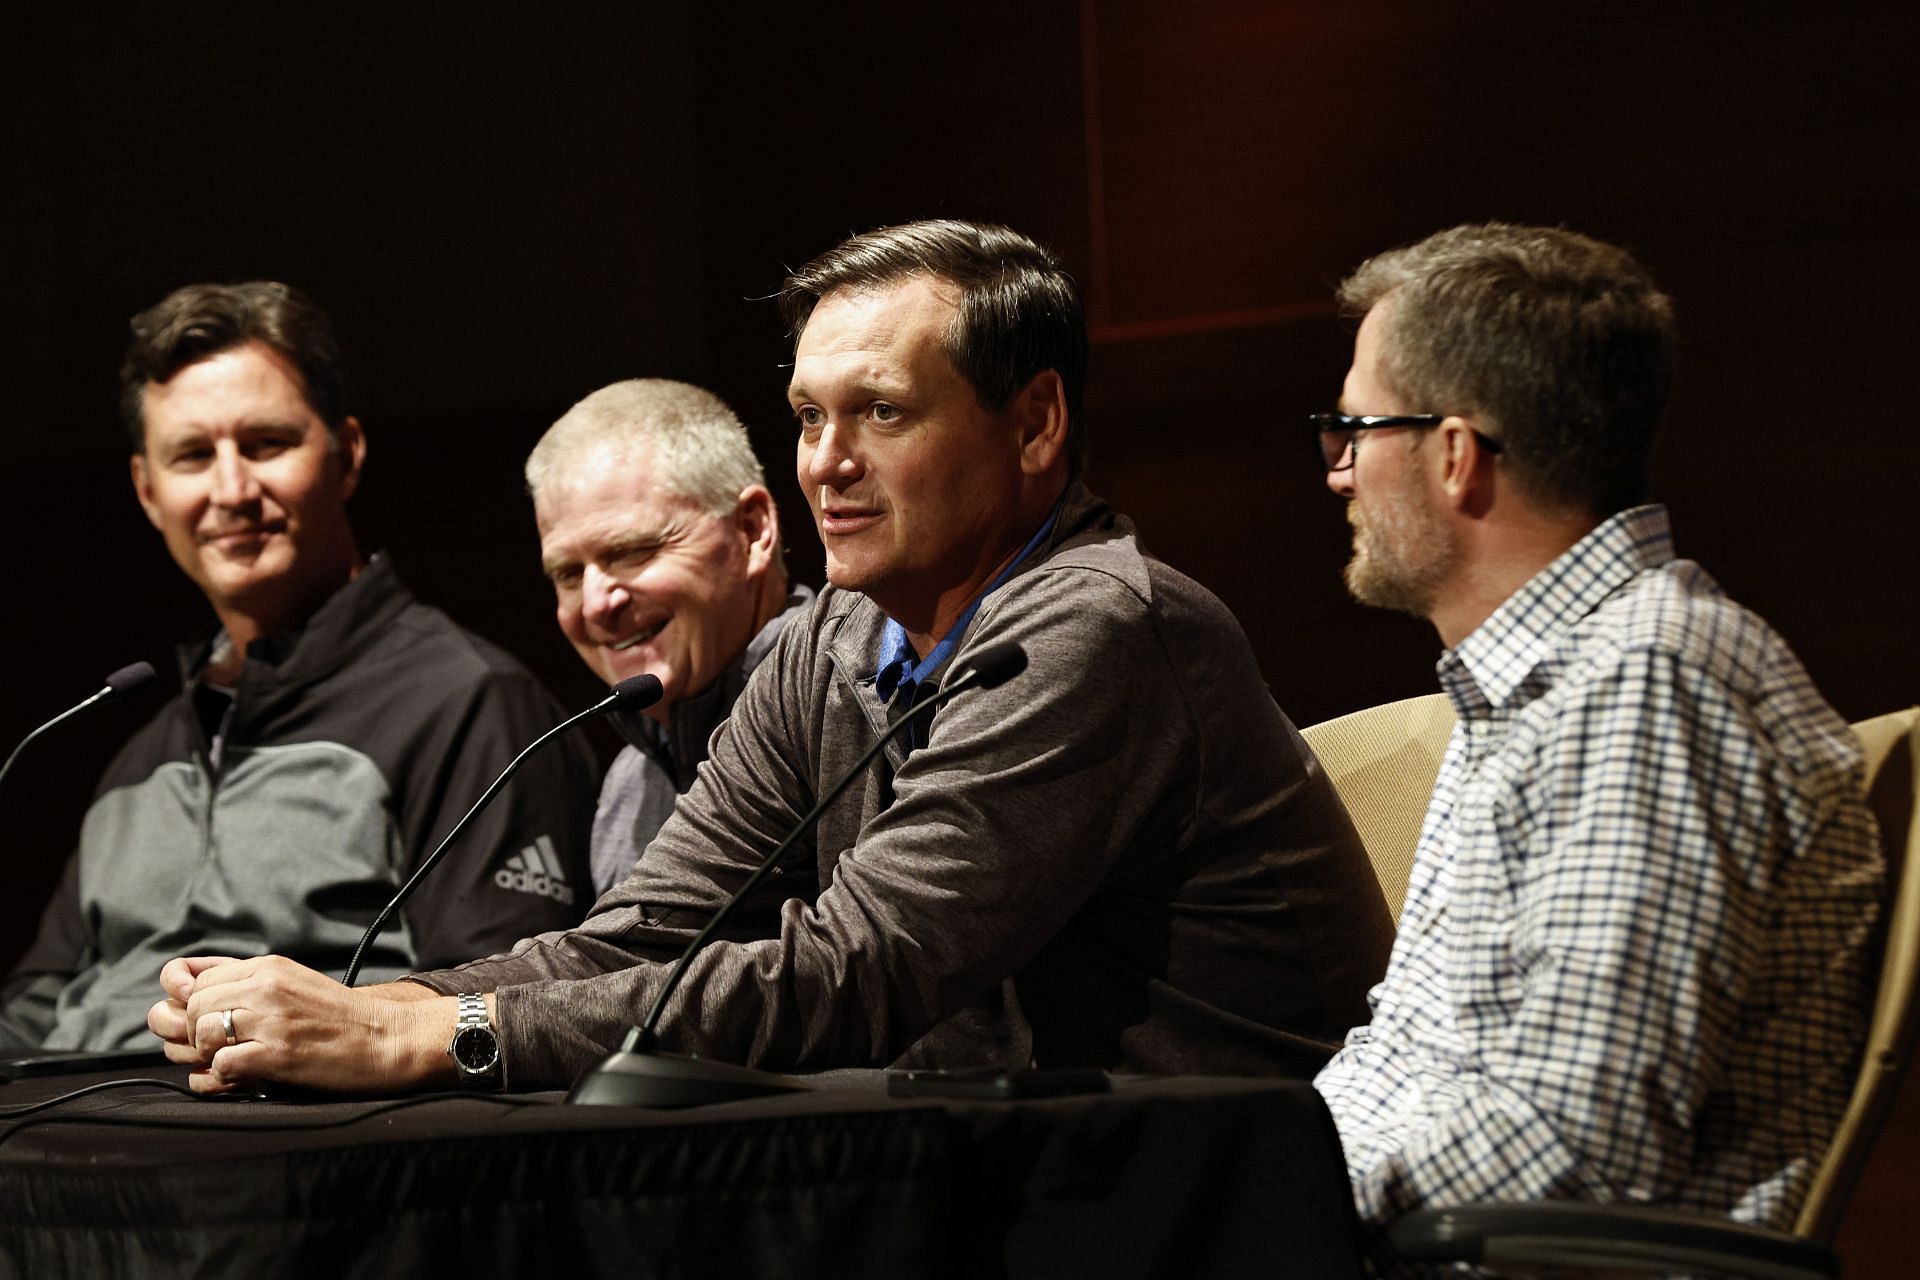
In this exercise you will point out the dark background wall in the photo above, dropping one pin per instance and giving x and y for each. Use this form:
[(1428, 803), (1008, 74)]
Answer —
[(504, 213)]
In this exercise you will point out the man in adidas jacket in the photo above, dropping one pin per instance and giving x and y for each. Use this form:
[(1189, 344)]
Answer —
[(328, 735)]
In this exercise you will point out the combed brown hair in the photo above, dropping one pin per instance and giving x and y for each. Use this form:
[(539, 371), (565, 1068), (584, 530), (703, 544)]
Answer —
[(201, 320), (1020, 313), (1559, 342)]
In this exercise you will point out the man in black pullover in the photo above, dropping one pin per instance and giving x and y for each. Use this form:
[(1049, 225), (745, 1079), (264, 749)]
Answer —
[(330, 731)]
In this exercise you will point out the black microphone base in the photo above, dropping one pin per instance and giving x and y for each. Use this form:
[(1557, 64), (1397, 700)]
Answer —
[(640, 1079)]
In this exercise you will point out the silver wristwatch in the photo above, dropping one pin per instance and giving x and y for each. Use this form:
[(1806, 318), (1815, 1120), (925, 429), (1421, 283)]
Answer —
[(475, 1049)]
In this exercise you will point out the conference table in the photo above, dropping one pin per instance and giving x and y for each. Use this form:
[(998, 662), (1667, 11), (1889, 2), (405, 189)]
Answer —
[(1181, 1176)]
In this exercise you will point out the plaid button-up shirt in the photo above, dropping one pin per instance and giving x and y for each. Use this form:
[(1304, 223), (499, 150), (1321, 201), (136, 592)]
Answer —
[(1630, 962)]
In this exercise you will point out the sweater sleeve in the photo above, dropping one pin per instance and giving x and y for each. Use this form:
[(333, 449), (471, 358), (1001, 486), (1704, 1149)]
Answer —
[(1000, 827), (750, 794)]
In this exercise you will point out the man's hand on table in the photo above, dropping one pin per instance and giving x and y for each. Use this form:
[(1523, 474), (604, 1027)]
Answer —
[(292, 1025)]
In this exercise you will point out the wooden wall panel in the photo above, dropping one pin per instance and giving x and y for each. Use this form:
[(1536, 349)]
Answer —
[(1247, 155)]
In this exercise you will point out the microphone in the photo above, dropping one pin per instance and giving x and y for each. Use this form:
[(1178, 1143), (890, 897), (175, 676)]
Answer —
[(639, 1075), (635, 693), (123, 683), (128, 680)]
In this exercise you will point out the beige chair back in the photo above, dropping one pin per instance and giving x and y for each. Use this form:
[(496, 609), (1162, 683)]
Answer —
[(1892, 746), (1383, 761)]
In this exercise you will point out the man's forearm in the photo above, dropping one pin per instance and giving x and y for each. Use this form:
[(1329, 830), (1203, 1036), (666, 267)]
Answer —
[(417, 1032)]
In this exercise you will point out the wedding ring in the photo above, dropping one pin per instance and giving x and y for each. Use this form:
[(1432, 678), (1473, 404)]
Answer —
[(226, 1021)]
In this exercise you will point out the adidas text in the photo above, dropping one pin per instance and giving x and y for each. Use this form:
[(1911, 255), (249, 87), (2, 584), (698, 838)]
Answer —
[(534, 882)]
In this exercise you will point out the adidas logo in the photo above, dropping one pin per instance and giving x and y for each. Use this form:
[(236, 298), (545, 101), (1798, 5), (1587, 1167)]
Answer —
[(536, 869)]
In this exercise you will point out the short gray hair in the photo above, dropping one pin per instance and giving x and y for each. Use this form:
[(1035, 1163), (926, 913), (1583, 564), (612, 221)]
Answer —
[(700, 447)]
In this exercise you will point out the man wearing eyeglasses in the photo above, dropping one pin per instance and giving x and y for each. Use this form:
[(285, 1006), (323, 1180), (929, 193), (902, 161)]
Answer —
[(1630, 963)]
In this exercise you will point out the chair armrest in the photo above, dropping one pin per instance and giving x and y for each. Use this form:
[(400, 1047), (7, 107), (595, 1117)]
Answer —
[(1577, 1234)]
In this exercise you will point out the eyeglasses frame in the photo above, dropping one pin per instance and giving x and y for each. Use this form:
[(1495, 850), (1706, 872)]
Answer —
[(1350, 425)]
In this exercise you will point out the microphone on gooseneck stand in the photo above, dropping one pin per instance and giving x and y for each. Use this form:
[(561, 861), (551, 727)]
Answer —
[(123, 683), (635, 693), (638, 1074)]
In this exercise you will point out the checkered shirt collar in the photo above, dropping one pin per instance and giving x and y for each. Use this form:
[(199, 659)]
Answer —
[(1484, 670)]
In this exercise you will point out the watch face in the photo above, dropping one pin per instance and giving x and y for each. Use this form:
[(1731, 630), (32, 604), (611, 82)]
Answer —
[(476, 1049)]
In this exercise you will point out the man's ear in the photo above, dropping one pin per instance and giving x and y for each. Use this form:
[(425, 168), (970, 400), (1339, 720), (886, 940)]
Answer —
[(1040, 410), (143, 488), (350, 450), (757, 521), (1466, 467)]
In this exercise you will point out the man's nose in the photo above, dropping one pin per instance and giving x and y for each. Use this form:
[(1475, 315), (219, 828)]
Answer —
[(832, 461), (602, 595), (234, 484), (1341, 481)]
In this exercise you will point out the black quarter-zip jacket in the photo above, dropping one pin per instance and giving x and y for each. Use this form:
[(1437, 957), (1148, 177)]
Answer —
[(350, 748)]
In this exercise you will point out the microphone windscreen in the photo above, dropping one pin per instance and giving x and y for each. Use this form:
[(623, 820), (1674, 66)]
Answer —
[(130, 679), (996, 664), (635, 693)]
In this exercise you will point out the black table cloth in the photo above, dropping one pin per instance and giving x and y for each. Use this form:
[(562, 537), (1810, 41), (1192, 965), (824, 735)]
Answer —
[(1183, 1176)]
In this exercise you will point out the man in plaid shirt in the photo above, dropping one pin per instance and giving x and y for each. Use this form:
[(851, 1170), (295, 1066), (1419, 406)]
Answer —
[(1631, 961)]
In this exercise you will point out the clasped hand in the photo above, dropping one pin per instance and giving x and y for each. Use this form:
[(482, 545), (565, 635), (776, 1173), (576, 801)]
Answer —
[(242, 1023)]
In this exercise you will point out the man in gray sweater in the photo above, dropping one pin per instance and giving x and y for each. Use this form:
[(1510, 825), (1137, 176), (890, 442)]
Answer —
[(1124, 858)]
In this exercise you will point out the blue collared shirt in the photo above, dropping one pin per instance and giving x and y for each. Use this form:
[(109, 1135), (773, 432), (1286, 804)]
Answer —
[(899, 671)]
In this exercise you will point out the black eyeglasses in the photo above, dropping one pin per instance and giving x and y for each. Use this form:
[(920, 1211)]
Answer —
[(1338, 441)]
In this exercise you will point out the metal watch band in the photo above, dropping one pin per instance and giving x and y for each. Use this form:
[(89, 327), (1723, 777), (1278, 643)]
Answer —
[(473, 1012), (472, 1023)]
